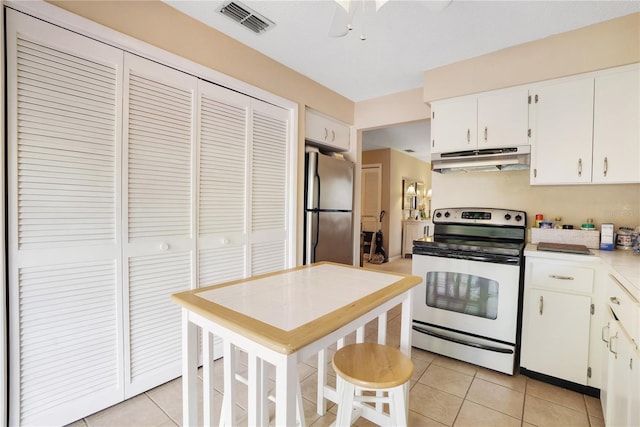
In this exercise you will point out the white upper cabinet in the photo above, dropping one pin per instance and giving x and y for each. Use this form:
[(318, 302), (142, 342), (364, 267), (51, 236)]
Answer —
[(562, 126), (586, 129), (453, 125), (493, 119), (503, 118), (616, 128), (326, 131)]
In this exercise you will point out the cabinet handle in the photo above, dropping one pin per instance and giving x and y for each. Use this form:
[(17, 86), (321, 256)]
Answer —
[(433, 143), (606, 166), (468, 135), (579, 167), (333, 136), (555, 276), (541, 304), (486, 134), (611, 345), (614, 300), (164, 246), (602, 334), (326, 133)]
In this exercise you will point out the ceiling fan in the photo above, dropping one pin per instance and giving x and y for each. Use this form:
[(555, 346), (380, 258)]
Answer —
[(345, 10)]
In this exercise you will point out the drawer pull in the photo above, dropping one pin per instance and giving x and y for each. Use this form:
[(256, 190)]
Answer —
[(614, 300), (541, 304), (603, 335), (555, 276), (615, 353)]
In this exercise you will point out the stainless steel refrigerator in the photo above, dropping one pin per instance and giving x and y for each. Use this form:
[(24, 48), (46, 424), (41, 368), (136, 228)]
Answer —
[(328, 226)]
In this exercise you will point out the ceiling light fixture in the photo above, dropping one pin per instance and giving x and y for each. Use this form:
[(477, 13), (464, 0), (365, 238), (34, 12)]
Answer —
[(342, 21)]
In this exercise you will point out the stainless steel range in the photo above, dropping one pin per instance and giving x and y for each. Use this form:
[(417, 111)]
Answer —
[(469, 303)]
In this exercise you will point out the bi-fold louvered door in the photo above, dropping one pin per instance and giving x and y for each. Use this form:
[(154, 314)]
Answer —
[(158, 217), (128, 181), (65, 281)]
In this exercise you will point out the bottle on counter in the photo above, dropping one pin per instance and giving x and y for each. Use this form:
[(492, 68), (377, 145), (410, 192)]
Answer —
[(539, 219)]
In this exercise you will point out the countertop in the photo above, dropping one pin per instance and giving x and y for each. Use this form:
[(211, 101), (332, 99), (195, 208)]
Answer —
[(625, 265), (290, 309)]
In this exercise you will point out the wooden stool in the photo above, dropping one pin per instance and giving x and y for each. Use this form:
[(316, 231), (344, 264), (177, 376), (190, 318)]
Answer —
[(371, 366)]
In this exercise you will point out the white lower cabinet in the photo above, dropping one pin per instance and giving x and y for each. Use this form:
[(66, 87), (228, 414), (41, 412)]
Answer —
[(557, 336), (620, 395), (560, 313)]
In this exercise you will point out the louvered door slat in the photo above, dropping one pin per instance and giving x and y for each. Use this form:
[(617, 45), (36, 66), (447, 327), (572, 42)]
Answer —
[(35, 166), (267, 257), (159, 158), (154, 321), (269, 172)]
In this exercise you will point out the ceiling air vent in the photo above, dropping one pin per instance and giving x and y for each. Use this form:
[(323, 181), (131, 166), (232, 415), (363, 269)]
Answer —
[(246, 16)]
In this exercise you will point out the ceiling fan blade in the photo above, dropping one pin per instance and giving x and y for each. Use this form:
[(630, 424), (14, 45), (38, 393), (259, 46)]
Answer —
[(342, 19)]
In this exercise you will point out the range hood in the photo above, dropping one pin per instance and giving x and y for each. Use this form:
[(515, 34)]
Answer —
[(484, 160)]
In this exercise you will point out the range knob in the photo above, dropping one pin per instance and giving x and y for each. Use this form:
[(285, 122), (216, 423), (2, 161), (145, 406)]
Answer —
[(447, 214), (438, 214), (518, 217), (507, 217)]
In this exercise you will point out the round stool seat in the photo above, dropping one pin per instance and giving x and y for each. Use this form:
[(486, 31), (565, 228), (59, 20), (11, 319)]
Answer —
[(373, 366)]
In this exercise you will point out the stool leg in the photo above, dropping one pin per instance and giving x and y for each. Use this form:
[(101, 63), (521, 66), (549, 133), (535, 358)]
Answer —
[(397, 406), (345, 403)]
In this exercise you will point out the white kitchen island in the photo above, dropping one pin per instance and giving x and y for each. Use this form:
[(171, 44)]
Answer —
[(283, 318)]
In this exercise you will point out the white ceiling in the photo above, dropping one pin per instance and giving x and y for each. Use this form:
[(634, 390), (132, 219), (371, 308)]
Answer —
[(403, 38)]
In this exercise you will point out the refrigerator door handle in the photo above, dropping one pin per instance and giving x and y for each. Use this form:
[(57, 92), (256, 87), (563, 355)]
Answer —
[(311, 237)]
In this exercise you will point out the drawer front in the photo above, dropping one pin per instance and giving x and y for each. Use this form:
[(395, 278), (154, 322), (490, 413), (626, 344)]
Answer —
[(560, 276), (625, 307)]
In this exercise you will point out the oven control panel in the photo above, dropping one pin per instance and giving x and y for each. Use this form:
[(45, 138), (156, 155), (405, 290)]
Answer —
[(489, 216)]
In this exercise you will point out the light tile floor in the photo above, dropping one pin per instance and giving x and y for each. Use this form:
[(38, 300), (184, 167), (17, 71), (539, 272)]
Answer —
[(443, 391)]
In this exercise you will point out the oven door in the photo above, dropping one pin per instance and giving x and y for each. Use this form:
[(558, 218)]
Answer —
[(471, 297)]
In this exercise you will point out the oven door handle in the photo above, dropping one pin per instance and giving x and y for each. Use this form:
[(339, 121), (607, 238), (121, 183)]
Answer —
[(459, 341)]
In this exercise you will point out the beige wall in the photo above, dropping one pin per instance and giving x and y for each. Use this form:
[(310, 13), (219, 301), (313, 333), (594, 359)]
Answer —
[(395, 167), (604, 45), (401, 107), (619, 204)]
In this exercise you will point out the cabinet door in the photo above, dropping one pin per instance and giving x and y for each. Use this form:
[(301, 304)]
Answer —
[(326, 131), (158, 217), (562, 117), (503, 118), (556, 340), (622, 356), (616, 128), (64, 265), (453, 125)]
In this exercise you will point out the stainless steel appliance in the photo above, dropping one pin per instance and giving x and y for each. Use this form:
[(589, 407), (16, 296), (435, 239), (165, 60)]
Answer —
[(328, 226), (469, 304)]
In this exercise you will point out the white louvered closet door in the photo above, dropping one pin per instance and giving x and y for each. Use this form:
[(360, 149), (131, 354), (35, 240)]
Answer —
[(222, 184), (268, 162), (64, 97), (158, 216)]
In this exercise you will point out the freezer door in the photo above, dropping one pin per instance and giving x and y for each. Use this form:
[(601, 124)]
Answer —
[(329, 237), (329, 183)]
